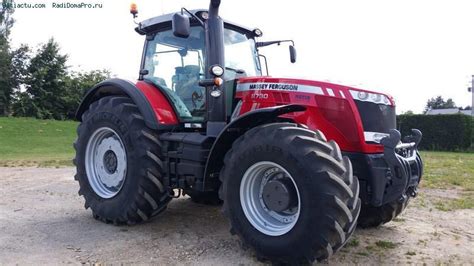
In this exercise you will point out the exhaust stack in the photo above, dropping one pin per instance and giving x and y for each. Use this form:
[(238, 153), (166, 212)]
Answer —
[(216, 109)]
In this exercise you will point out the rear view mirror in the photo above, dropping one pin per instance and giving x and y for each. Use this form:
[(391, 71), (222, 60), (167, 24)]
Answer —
[(292, 54), (181, 25)]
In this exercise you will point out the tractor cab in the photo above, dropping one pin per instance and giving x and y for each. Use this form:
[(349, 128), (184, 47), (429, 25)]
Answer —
[(177, 65)]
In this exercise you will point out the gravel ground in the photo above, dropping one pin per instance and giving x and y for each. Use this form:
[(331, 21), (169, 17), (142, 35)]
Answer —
[(43, 221)]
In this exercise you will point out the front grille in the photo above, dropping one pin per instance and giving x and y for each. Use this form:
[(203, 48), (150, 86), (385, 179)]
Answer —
[(376, 117)]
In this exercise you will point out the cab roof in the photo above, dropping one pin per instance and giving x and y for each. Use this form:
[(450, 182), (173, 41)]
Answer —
[(163, 22)]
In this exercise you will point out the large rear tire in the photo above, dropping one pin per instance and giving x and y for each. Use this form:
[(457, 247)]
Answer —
[(318, 211), (375, 216), (118, 163)]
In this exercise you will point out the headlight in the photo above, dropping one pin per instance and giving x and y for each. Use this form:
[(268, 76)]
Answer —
[(216, 93), (374, 136), (217, 70), (258, 32), (205, 15), (362, 95), (370, 97), (376, 97)]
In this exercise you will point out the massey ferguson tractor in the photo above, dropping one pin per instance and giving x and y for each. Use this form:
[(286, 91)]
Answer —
[(296, 163)]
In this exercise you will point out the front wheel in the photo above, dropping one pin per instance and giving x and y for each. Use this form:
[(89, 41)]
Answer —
[(289, 193)]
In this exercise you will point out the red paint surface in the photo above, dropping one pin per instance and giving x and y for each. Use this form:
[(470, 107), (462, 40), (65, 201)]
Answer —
[(336, 116), (162, 108)]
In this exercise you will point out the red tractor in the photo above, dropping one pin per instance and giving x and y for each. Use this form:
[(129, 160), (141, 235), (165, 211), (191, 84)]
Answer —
[(297, 163)]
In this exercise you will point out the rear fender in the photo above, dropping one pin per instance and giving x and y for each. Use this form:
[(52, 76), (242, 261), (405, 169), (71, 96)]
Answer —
[(144, 97), (237, 128)]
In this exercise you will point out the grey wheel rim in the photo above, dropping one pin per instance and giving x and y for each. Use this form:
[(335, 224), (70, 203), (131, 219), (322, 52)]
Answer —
[(106, 162), (262, 218)]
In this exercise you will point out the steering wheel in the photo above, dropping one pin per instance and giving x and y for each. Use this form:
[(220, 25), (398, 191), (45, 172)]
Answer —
[(196, 97)]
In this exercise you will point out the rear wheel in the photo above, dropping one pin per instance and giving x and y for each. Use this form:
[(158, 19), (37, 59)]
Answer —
[(374, 216), (118, 163), (289, 193)]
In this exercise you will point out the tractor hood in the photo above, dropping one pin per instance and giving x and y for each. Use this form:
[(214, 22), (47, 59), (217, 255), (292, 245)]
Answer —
[(357, 119)]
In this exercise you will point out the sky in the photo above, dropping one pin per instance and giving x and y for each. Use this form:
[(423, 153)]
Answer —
[(412, 50)]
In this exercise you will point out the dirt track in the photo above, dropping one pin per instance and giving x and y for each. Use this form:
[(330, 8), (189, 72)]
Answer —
[(42, 220)]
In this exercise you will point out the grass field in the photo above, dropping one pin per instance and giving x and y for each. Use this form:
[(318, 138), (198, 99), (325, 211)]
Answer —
[(32, 142), (48, 143), (448, 170)]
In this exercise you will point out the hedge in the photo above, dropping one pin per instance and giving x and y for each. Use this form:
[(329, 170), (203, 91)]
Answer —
[(441, 132)]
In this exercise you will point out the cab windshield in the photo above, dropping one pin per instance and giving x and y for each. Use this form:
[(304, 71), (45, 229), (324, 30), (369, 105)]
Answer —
[(177, 64), (240, 54)]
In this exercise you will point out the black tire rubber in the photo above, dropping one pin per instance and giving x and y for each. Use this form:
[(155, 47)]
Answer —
[(325, 183), (375, 216), (206, 198), (143, 194)]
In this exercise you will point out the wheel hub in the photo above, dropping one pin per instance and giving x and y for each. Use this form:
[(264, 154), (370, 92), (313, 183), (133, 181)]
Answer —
[(106, 162), (269, 198), (110, 162), (278, 195)]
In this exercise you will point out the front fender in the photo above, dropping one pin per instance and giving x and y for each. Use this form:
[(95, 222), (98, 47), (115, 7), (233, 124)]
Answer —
[(237, 128)]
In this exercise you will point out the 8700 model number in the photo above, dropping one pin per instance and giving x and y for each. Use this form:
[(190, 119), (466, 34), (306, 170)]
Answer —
[(260, 96)]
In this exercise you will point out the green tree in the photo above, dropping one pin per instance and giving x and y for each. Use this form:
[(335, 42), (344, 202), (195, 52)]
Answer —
[(45, 84), (6, 22), (23, 105), (21, 102), (5, 86), (45, 89), (20, 60), (77, 84), (439, 103)]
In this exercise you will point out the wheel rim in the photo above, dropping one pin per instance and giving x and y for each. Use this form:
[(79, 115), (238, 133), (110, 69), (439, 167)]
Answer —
[(106, 162), (259, 213)]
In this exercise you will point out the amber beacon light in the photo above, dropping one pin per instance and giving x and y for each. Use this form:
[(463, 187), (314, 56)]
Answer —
[(133, 10)]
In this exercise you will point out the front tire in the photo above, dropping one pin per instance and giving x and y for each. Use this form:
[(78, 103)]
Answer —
[(118, 163), (317, 212), (375, 216)]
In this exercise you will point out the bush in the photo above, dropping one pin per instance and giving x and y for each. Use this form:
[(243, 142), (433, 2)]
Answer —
[(440, 132)]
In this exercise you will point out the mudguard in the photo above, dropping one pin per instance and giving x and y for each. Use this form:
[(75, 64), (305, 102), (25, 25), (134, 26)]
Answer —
[(237, 128), (126, 88)]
